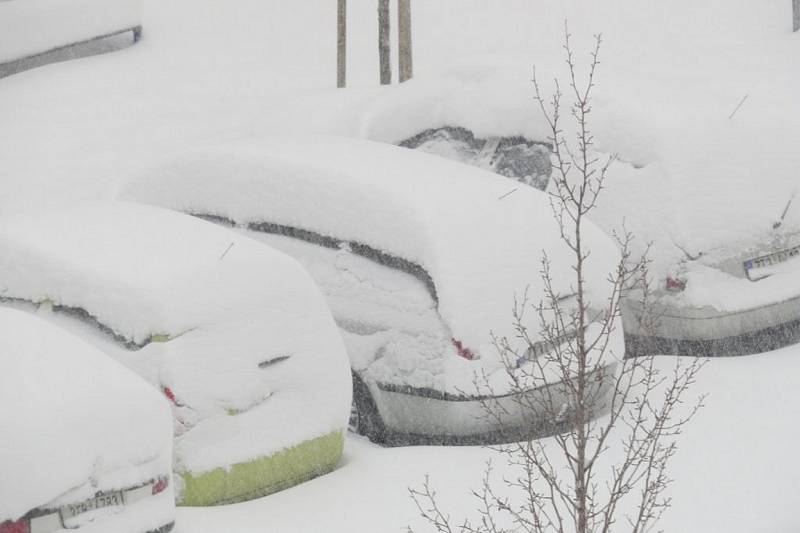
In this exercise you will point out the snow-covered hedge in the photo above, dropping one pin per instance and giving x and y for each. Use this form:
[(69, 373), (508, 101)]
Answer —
[(29, 27)]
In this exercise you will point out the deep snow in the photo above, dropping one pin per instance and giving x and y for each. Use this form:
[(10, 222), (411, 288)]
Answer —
[(671, 77), (205, 309), (478, 243), (734, 470), (673, 73)]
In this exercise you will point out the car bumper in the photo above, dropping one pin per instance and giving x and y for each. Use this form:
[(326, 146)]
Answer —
[(708, 332), (259, 477), (427, 416), (154, 514)]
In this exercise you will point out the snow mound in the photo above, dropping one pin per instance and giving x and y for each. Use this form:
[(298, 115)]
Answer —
[(74, 420)]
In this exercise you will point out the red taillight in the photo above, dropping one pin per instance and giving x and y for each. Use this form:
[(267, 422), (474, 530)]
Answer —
[(675, 285), (463, 351), (20, 526), (160, 485), (169, 394)]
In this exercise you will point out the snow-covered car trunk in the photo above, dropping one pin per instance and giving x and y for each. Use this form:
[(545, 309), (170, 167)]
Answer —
[(420, 258), (30, 28), (737, 299), (87, 444), (235, 334)]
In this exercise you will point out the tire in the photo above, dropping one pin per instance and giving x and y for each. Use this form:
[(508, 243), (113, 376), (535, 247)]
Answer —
[(364, 416)]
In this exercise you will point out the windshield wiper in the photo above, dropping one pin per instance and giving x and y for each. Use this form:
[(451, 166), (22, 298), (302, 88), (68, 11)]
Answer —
[(785, 210)]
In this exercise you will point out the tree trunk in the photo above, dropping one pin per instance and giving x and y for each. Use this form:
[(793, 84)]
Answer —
[(384, 49), (795, 15), (341, 44), (404, 38)]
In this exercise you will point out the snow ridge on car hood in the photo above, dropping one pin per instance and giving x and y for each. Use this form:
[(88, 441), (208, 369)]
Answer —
[(479, 236)]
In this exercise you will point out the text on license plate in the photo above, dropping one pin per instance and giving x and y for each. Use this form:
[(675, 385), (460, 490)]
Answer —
[(104, 500), (761, 267)]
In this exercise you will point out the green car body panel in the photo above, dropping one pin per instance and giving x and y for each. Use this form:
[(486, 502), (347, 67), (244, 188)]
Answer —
[(259, 477)]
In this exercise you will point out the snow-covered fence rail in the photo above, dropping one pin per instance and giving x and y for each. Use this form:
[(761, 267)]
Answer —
[(30, 29)]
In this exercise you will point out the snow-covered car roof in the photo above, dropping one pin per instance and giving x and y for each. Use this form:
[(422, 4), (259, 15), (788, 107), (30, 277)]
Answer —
[(477, 237), (71, 415), (236, 333), (29, 27)]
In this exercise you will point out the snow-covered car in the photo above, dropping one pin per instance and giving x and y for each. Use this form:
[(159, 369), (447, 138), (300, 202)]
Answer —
[(35, 32), (515, 157), (706, 302), (86, 443), (736, 299), (235, 334), (420, 258)]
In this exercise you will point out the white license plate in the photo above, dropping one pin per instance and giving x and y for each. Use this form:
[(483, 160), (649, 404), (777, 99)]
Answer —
[(761, 267), (109, 499)]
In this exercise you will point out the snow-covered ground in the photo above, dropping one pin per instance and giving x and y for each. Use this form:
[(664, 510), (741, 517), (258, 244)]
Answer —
[(735, 470), (690, 170)]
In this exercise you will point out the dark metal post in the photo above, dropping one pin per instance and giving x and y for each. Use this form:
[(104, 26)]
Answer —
[(341, 44), (384, 50), (795, 15), (404, 39)]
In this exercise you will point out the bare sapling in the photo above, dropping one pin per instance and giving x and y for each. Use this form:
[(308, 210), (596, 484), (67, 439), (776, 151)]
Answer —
[(613, 422)]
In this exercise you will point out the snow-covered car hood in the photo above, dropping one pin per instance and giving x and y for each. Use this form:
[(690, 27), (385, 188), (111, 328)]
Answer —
[(74, 420), (479, 237)]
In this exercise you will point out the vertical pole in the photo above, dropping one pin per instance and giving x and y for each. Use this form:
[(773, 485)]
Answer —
[(795, 15), (384, 51), (341, 44), (404, 39)]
